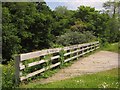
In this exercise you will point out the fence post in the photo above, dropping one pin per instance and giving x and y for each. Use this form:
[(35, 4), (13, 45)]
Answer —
[(77, 53), (95, 45), (91, 47), (17, 70), (98, 45), (83, 50)]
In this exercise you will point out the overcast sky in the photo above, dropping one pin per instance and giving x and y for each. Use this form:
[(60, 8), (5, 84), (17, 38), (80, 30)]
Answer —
[(73, 4)]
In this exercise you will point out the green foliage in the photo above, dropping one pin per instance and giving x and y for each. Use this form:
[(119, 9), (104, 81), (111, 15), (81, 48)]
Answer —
[(61, 10), (113, 25), (43, 8), (58, 26), (55, 45), (114, 32), (30, 26), (89, 37), (28, 70), (72, 38), (114, 47), (48, 60), (8, 76), (93, 20), (62, 19), (61, 53), (78, 27), (85, 13), (41, 31), (48, 73), (11, 42), (112, 7), (25, 27)]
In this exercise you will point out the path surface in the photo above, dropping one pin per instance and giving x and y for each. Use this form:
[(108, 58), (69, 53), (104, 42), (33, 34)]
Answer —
[(100, 61)]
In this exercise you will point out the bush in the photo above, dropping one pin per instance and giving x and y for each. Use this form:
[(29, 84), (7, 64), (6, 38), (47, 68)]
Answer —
[(72, 38), (8, 75), (89, 36), (54, 45)]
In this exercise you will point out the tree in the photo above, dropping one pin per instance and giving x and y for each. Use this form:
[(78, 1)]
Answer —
[(113, 23), (25, 27), (114, 32), (10, 40), (112, 7), (85, 13), (62, 17), (93, 20), (79, 26), (41, 31), (61, 10)]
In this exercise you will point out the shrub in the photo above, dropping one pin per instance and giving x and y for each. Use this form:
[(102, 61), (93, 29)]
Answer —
[(55, 45), (8, 75), (72, 38), (89, 36), (61, 53)]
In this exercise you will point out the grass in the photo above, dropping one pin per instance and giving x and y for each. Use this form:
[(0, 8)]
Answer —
[(105, 79), (112, 47)]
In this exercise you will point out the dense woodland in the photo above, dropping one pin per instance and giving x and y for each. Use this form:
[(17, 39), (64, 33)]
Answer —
[(30, 26)]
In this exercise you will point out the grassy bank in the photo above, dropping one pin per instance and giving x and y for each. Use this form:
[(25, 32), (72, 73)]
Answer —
[(114, 47), (105, 79)]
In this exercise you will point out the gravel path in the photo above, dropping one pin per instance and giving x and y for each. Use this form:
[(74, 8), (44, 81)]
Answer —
[(100, 61)]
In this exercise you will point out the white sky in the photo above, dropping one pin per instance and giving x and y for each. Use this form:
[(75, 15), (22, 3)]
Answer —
[(73, 4)]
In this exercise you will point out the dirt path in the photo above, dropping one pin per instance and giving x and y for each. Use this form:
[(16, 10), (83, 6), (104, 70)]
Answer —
[(100, 61)]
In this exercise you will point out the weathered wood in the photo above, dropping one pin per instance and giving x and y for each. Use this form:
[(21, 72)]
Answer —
[(17, 70), (38, 53), (66, 54), (50, 51), (54, 65), (73, 57), (70, 58), (55, 57), (32, 64), (38, 71), (38, 62), (32, 74), (74, 49), (21, 66)]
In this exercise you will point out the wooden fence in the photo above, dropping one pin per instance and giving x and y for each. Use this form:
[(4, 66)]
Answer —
[(53, 55)]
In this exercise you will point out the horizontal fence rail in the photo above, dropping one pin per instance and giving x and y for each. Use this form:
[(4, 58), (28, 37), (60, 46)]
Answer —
[(48, 59)]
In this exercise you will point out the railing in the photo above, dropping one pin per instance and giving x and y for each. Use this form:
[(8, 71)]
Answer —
[(52, 57)]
